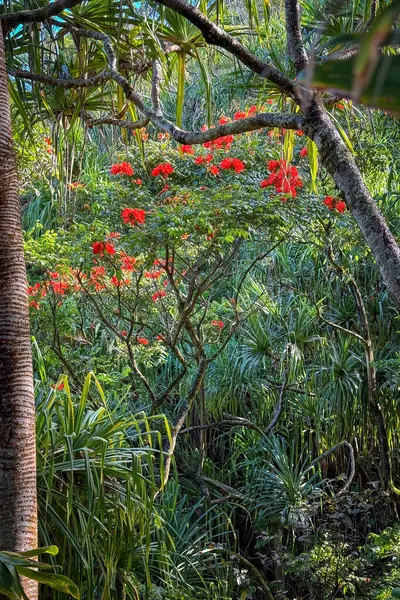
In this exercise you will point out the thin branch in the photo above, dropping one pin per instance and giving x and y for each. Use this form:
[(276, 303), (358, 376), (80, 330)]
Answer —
[(12, 20)]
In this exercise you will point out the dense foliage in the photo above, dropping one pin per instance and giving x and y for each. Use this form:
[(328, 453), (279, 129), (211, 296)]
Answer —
[(216, 356)]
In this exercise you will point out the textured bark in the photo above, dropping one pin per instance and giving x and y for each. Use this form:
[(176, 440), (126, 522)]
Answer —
[(293, 34), (18, 521), (340, 163)]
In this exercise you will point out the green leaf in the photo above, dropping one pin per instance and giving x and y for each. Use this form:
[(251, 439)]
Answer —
[(57, 582), (9, 583), (381, 91), (396, 593), (53, 550)]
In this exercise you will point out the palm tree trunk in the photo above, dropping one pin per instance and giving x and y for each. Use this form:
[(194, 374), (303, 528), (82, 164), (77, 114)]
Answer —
[(18, 514)]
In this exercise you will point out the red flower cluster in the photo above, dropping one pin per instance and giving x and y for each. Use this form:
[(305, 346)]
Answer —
[(128, 262), (200, 160), (218, 324), (37, 290), (214, 170), (158, 295), (187, 149), (303, 152), (123, 168), (103, 247), (59, 287), (116, 282), (224, 142), (335, 203), (133, 215), (163, 169), (138, 181), (284, 177), (144, 341), (153, 274), (239, 115), (232, 163)]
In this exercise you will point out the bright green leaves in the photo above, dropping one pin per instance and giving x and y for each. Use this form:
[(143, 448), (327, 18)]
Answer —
[(14, 565), (381, 91)]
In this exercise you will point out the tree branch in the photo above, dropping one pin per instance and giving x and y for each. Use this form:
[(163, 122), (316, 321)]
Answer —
[(11, 20), (293, 33), (216, 36)]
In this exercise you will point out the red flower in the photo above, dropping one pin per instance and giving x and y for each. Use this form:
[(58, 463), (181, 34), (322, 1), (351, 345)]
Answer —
[(123, 168), (163, 169), (220, 143), (109, 248), (158, 295), (223, 120), (284, 177), (226, 163), (214, 170), (273, 165), (199, 160), (187, 149), (58, 386), (304, 152), (124, 332), (299, 132), (204, 127), (270, 101), (208, 157), (101, 247), (341, 206), (203, 187), (153, 274), (128, 262), (138, 181), (232, 163), (160, 338), (144, 341), (47, 141), (133, 215), (59, 287), (218, 324), (98, 248), (329, 202), (252, 110), (239, 115), (114, 234)]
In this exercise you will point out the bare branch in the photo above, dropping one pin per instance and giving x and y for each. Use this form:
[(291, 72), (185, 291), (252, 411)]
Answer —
[(62, 83), (143, 122), (11, 20)]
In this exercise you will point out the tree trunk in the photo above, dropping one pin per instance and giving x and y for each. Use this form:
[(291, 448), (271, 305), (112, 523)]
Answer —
[(340, 163), (18, 514)]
